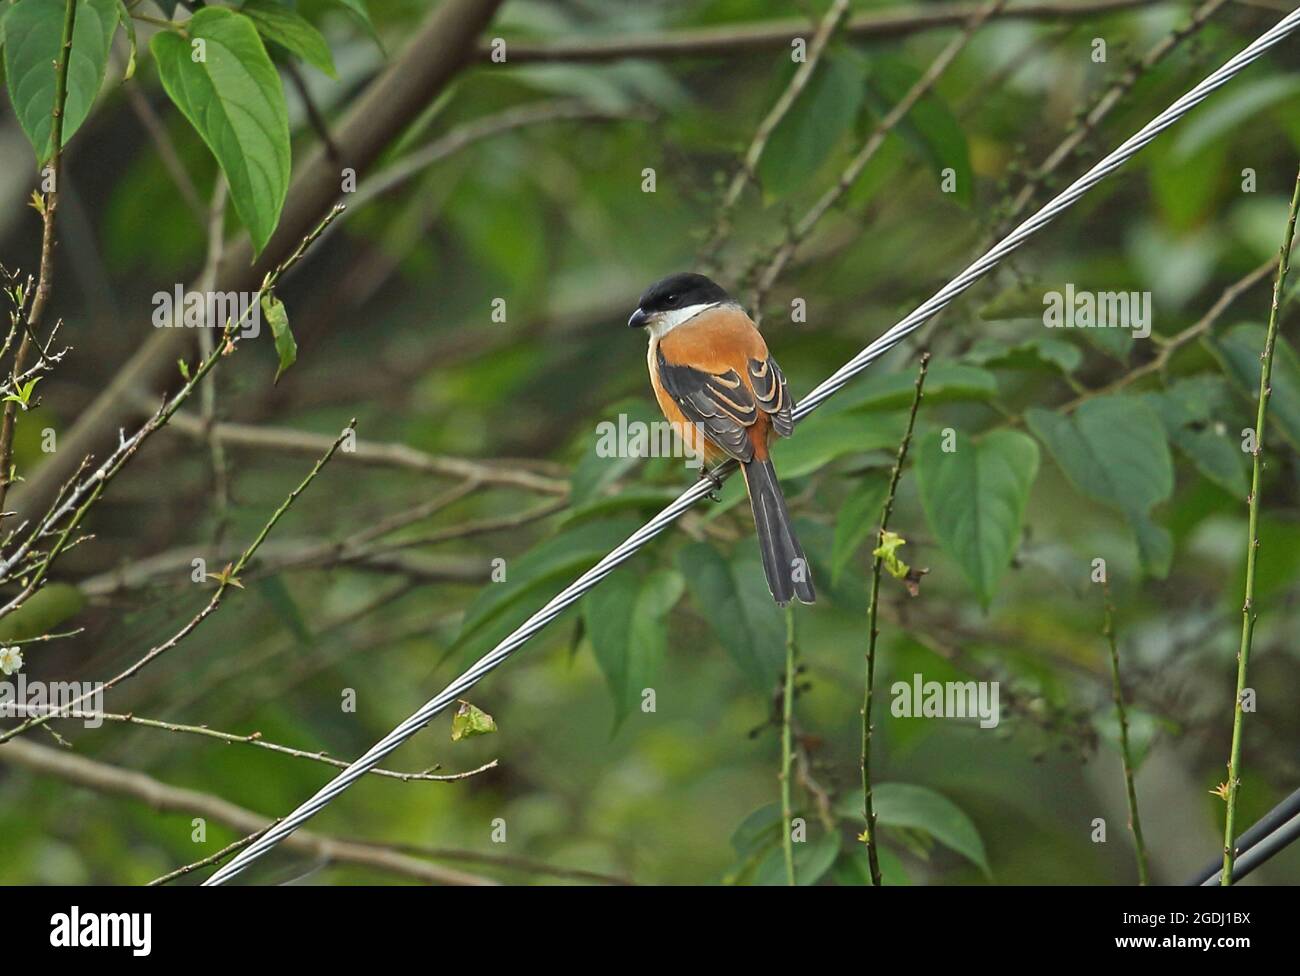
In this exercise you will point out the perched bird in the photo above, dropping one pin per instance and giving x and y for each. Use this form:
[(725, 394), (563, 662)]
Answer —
[(716, 383)]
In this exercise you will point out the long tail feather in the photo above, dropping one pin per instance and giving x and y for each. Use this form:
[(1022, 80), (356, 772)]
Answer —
[(784, 563)]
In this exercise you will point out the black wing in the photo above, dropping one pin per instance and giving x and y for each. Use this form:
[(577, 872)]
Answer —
[(772, 393), (719, 402)]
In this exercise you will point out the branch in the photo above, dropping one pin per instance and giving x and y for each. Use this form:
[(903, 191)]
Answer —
[(1126, 755), (873, 631), (255, 739), (799, 233), (45, 278), (115, 781), (736, 39), (380, 454), (227, 578), (749, 165), (1230, 789), (436, 54)]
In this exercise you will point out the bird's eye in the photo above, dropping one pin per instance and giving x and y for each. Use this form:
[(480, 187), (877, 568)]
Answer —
[(670, 300)]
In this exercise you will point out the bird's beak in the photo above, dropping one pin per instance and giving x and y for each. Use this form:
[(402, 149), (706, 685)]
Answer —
[(639, 320)]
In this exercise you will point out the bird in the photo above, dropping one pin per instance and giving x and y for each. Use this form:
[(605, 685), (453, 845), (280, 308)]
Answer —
[(720, 388)]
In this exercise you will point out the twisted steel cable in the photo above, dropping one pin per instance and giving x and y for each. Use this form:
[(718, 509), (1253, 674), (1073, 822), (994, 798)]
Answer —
[(575, 590)]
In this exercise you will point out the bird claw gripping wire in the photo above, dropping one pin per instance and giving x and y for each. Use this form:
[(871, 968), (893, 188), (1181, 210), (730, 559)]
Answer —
[(715, 481)]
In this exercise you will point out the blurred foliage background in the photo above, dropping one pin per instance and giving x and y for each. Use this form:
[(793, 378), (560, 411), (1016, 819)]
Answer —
[(393, 316)]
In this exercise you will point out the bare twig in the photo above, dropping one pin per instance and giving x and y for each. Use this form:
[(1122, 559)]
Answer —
[(255, 739), (1248, 616), (1126, 754), (162, 797), (749, 164), (800, 231), (873, 631), (45, 277), (226, 578), (735, 39)]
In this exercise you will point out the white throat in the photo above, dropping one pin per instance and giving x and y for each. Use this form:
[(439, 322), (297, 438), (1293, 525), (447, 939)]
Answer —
[(665, 322)]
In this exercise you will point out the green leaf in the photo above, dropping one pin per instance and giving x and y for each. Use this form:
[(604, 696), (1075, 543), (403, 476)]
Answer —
[(286, 347), (276, 593), (33, 32), (625, 621), (1239, 351), (945, 383), (823, 437), (1114, 450), (974, 500), (858, 518), (1232, 109), (1193, 411), (499, 607), (733, 597), (359, 10), (469, 721), (812, 859), (904, 805), (815, 124), (853, 868), (291, 31), (234, 99), (1030, 354), (930, 127)]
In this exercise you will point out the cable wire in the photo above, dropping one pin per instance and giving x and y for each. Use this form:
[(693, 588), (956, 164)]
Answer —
[(1286, 811), (828, 388)]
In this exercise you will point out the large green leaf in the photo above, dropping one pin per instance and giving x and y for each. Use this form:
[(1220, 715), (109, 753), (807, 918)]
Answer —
[(815, 124), (930, 127), (33, 31), (499, 607), (733, 596), (1232, 109), (625, 621), (291, 31), (1239, 351), (859, 516), (1193, 411), (234, 99), (945, 383), (974, 500), (921, 808), (1113, 449)]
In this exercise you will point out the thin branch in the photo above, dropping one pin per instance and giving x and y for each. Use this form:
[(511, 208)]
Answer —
[(255, 739), (1126, 755), (800, 231), (736, 39), (873, 631), (227, 578), (380, 454), (164, 798), (798, 82), (787, 753), (1248, 615), (45, 277)]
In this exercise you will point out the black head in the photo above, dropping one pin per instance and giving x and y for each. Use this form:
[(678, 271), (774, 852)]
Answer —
[(675, 292)]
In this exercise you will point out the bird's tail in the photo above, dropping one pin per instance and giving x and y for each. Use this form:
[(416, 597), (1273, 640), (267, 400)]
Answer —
[(784, 563)]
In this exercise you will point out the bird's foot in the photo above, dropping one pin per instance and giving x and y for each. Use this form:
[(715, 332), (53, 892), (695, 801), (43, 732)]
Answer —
[(715, 481)]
